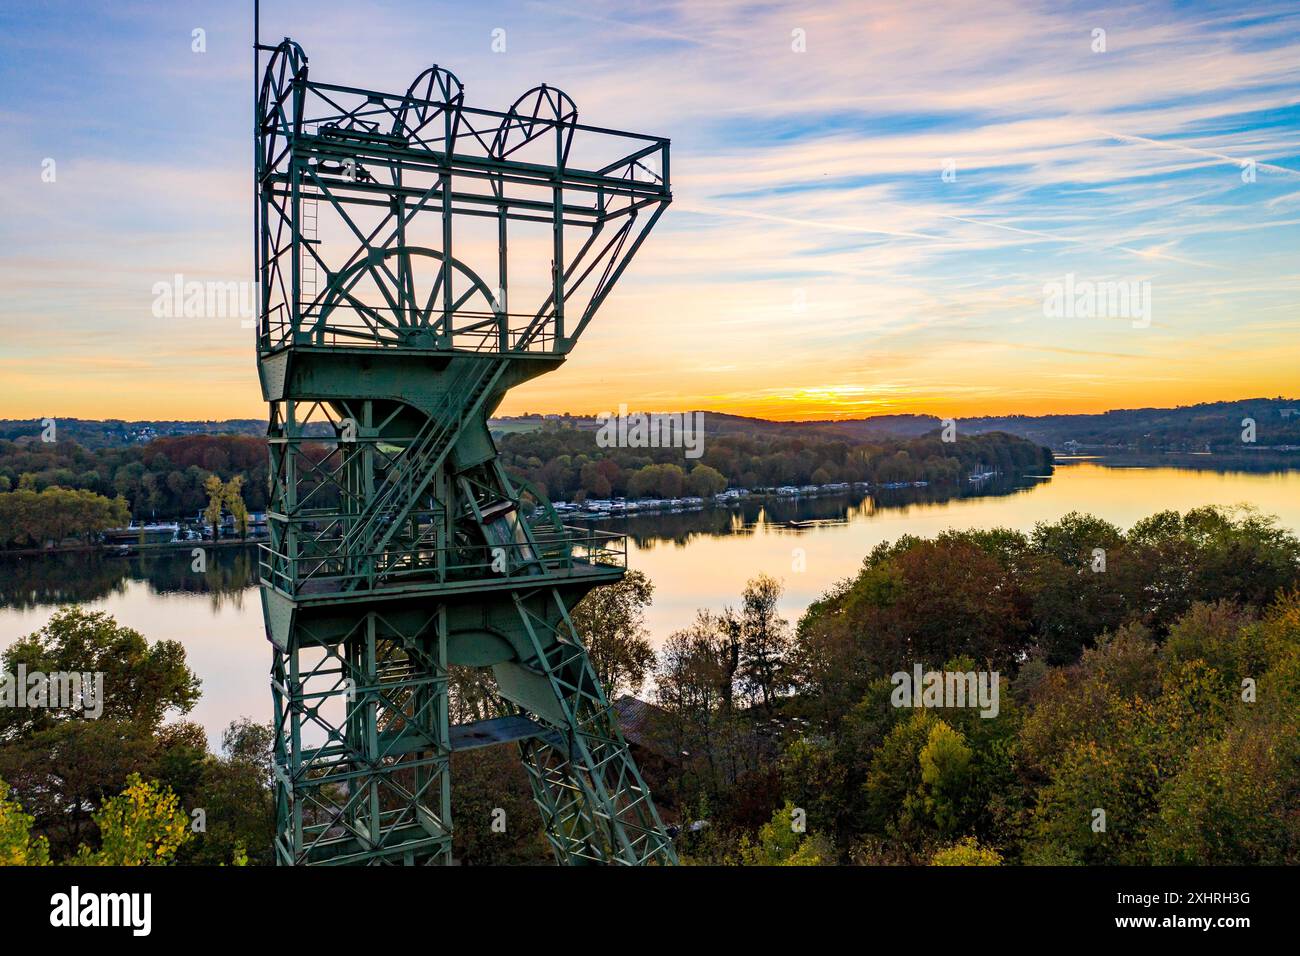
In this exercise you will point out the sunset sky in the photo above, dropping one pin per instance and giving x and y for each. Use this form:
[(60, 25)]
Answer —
[(815, 262)]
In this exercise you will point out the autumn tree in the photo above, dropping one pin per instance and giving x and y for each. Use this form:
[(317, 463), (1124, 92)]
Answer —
[(17, 845), (497, 823), (232, 496), (215, 489), (691, 683), (144, 825), (594, 482)]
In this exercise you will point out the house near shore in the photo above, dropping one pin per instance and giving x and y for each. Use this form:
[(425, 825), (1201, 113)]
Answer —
[(642, 725)]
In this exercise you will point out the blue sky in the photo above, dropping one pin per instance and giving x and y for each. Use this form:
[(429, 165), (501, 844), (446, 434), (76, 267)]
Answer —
[(815, 261)]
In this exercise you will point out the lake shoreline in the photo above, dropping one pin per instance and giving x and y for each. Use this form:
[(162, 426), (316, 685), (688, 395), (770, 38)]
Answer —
[(698, 560)]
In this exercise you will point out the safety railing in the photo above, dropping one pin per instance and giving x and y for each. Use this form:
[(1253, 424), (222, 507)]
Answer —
[(573, 551), (379, 327)]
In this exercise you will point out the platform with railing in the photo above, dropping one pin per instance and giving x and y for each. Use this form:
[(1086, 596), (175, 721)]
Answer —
[(549, 556)]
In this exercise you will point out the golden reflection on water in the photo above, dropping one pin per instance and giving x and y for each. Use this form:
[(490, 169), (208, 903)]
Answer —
[(710, 572)]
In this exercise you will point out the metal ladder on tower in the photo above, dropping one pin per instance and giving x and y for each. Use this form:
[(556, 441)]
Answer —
[(309, 277)]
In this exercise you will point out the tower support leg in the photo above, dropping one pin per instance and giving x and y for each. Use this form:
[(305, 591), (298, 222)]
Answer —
[(361, 753), (594, 804)]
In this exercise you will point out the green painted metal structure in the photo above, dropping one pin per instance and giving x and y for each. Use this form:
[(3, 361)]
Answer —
[(417, 258)]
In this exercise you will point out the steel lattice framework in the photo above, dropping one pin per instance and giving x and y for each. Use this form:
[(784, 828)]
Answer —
[(416, 259)]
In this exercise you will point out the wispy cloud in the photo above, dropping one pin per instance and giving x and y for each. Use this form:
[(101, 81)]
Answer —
[(866, 224)]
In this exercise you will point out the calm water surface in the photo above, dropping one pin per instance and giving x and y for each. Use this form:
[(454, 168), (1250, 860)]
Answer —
[(699, 560)]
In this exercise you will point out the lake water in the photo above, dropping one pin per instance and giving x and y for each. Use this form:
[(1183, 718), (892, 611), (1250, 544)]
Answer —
[(699, 560)]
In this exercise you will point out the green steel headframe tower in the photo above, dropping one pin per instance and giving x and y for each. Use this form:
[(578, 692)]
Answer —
[(416, 259)]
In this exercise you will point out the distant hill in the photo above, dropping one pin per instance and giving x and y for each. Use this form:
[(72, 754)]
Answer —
[(719, 423), (1216, 426), (114, 432), (1212, 426)]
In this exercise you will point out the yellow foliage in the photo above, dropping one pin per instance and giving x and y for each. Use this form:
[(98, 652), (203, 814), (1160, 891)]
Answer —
[(966, 852), (17, 848), (143, 826)]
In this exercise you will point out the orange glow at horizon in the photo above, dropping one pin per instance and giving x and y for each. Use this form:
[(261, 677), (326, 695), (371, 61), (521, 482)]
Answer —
[(27, 395)]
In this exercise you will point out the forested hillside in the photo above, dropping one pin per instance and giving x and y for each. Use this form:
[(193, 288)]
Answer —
[(164, 479), (1217, 426), (568, 462), (1149, 705), (1148, 712)]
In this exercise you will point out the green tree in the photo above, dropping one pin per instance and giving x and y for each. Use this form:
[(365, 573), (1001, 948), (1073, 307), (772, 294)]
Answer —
[(657, 481), (945, 775), (235, 792), (894, 777), (764, 639), (251, 743), (141, 681), (47, 518), (780, 843), (705, 481), (611, 622), (814, 777), (1225, 635), (62, 762)]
